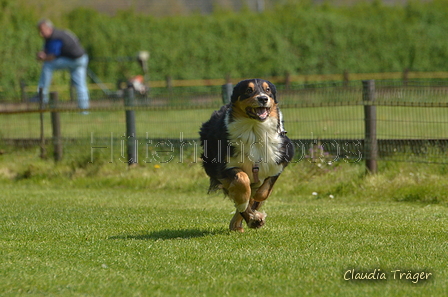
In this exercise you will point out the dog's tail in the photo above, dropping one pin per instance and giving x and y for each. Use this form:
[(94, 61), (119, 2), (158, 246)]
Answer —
[(215, 185)]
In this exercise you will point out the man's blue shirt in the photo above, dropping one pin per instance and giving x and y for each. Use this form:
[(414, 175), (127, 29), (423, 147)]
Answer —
[(53, 47)]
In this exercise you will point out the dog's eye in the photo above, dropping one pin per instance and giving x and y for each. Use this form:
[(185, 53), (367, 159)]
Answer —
[(268, 90), (249, 91)]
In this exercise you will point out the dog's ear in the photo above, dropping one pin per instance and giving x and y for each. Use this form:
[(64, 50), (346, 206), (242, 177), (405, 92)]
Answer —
[(237, 91), (273, 91)]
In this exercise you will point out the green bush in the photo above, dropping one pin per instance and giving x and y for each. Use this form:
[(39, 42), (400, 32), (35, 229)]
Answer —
[(294, 38)]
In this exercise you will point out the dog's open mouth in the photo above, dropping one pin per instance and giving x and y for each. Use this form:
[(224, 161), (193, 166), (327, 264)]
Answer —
[(259, 113)]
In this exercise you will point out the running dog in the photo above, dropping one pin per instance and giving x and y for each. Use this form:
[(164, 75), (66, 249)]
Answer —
[(245, 149)]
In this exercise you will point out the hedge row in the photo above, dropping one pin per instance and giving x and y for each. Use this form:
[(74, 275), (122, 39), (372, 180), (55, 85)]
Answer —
[(294, 38)]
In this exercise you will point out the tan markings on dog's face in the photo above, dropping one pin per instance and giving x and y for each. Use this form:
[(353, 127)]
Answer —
[(250, 88), (266, 88), (255, 100)]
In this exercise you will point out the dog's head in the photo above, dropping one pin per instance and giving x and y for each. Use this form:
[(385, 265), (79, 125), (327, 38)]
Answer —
[(254, 98)]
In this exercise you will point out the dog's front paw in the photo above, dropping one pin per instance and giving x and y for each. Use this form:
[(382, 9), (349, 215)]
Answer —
[(257, 220)]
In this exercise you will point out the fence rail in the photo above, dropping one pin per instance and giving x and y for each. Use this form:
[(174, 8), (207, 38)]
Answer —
[(286, 80), (331, 119)]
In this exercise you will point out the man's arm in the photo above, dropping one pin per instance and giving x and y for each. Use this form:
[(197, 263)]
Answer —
[(42, 56), (52, 50)]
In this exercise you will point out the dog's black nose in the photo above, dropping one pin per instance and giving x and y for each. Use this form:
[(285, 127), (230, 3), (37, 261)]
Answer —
[(262, 99)]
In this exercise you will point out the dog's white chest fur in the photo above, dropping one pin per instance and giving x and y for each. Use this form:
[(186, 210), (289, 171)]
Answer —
[(256, 144)]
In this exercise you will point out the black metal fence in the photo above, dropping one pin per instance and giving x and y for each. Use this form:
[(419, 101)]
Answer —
[(329, 122)]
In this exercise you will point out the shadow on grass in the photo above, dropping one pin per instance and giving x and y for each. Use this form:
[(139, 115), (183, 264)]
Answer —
[(170, 234)]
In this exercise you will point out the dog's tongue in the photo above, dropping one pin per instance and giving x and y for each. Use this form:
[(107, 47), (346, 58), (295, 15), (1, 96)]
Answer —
[(262, 112)]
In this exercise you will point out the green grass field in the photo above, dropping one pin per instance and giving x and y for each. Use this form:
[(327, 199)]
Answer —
[(102, 229)]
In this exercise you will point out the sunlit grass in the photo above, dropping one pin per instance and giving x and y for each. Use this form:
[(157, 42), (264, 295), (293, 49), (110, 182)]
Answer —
[(104, 229)]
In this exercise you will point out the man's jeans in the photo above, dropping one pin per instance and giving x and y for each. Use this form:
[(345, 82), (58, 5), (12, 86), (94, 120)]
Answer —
[(78, 72)]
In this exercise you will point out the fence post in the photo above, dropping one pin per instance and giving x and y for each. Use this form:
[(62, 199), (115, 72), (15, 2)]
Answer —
[(228, 78), (370, 141), (405, 76), (130, 126), (23, 90), (287, 80), (169, 86), (56, 127), (226, 92), (43, 149), (346, 78), (73, 95), (169, 82)]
